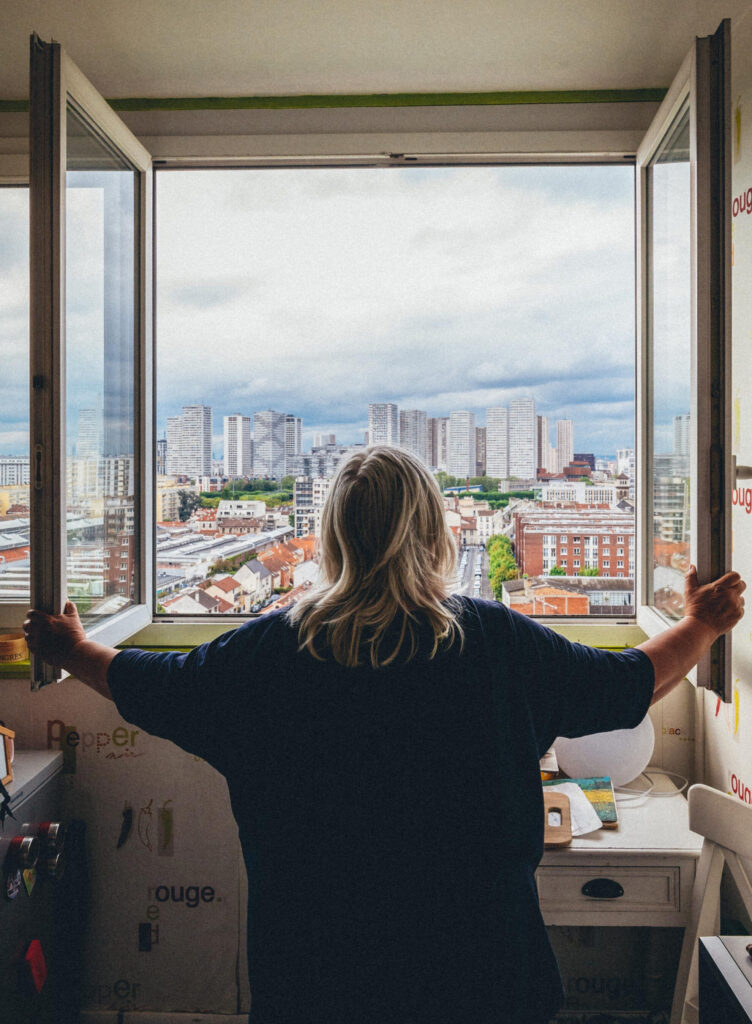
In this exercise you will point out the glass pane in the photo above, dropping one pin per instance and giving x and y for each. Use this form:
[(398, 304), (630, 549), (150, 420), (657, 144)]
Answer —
[(14, 411), (99, 306), (671, 340), (306, 312)]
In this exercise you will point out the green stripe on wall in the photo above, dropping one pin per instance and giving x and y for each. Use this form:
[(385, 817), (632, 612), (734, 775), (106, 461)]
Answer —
[(407, 99)]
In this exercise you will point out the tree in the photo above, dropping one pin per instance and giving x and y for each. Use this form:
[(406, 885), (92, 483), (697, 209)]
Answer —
[(501, 563), (287, 483), (592, 571), (486, 482), (189, 502), (557, 571)]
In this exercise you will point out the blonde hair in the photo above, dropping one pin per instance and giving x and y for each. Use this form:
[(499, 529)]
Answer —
[(386, 556)]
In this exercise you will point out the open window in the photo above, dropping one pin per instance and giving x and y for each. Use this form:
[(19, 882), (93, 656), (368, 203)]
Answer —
[(685, 475), (92, 440), (91, 362)]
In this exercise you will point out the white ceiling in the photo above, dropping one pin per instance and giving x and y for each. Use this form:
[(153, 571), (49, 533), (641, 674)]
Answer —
[(165, 48)]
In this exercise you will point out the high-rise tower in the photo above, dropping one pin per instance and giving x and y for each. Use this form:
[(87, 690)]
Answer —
[(269, 432), (237, 436), (383, 423), (189, 442), (413, 434), (461, 462), (523, 438), (497, 441)]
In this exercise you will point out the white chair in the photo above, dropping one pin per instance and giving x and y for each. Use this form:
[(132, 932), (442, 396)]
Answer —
[(726, 824)]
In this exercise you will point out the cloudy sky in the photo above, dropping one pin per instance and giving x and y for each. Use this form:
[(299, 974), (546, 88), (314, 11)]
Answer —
[(316, 292)]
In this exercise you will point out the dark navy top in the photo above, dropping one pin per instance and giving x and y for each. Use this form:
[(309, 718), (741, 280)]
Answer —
[(391, 820)]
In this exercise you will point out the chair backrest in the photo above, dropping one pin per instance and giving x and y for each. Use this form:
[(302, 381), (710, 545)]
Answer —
[(722, 819)]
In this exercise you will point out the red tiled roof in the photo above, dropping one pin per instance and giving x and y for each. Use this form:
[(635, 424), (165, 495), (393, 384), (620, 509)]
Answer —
[(273, 562), (227, 584)]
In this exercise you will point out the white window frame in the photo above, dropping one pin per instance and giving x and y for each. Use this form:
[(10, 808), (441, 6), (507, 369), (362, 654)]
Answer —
[(708, 95), (55, 81)]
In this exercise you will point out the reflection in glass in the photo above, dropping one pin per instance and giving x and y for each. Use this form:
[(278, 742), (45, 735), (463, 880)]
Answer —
[(671, 339), (100, 289), (14, 416)]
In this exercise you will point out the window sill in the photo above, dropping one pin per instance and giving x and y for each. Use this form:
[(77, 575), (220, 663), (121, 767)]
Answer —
[(186, 635), (604, 633)]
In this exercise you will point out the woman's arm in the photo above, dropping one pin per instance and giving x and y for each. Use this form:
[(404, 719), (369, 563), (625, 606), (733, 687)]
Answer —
[(61, 640), (709, 611)]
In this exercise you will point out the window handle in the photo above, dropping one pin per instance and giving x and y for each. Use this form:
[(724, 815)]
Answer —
[(742, 472)]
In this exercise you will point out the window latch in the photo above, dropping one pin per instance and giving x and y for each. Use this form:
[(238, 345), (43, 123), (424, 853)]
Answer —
[(742, 472)]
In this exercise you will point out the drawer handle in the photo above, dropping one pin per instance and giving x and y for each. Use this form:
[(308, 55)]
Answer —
[(602, 889)]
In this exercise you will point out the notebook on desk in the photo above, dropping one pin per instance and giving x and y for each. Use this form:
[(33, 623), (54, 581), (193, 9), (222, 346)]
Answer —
[(600, 793)]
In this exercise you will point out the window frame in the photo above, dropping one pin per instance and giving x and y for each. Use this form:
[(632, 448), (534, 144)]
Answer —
[(703, 84), (11, 612), (54, 82)]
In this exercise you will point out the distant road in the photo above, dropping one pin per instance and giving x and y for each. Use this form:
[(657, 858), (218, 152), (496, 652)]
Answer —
[(467, 567)]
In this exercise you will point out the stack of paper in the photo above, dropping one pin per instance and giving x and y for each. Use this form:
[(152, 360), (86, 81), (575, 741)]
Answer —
[(583, 816)]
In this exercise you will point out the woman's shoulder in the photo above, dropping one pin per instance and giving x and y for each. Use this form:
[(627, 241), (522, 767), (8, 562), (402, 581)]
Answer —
[(479, 610), (263, 632)]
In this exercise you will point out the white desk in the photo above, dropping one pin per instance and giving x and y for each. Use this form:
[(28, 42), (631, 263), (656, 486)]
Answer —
[(652, 855)]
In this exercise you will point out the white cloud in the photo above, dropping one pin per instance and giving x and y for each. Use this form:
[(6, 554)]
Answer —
[(438, 288)]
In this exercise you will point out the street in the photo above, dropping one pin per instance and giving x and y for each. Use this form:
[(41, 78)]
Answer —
[(473, 559)]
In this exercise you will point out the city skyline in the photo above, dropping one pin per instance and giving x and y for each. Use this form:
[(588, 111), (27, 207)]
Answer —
[(307, 437), (436, 289), (455, 292), (519, 440)]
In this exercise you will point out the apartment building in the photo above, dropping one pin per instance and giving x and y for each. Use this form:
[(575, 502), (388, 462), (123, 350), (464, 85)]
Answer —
[(461, 461), (480, 451), (573, 539), (269, 444), (413, 432), (14, 470), (238, 460), (293, 436), (309, 496), (189, 442), (383, 423), (580, 492), (564, 443), (438, 442), (497, 442), (523, 439), (231, 509)]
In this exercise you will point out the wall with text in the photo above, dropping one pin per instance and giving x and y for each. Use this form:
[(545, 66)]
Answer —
[(728, 727)]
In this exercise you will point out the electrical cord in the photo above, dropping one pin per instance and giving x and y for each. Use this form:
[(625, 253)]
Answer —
[(636, 794)]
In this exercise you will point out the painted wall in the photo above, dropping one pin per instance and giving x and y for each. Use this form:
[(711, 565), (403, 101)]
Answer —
[(728, 727)]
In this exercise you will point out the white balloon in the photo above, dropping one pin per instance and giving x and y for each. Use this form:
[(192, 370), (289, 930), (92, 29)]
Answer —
[(621, 754)]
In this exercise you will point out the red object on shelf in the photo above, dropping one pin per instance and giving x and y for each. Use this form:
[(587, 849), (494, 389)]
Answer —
[(34, 964)]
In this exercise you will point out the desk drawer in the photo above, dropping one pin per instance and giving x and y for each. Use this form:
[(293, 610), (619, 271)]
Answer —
[(645, 889)]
